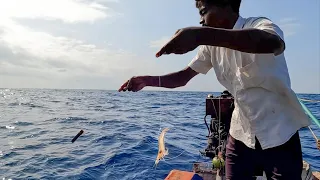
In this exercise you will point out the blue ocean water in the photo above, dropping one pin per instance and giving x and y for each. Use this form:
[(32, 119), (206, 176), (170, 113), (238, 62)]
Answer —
[(120, 133)]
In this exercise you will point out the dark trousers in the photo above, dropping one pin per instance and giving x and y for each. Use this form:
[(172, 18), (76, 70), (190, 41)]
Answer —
[(282, 162)]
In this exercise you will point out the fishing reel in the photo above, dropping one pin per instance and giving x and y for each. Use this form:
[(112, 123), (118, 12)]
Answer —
[(220, 109)]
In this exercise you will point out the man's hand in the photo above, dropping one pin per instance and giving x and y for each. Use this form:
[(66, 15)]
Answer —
[(183, 41), (135, 84)]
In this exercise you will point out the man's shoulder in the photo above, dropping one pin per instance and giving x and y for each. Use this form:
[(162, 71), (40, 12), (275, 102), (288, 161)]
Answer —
[(254, 20), (264, 23)]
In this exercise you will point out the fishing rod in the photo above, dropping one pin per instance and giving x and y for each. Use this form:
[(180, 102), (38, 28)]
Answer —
[(313, 118)]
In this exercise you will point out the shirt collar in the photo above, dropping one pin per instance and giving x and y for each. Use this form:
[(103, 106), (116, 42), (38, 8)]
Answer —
[(239, 23)]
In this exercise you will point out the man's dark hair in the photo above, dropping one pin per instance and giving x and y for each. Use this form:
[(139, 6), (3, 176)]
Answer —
[(235, 4)]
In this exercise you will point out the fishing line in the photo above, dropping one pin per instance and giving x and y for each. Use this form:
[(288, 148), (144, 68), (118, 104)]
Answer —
[(161, 99), (199, 156), (207, 164), (219, 130), (219, 123), (314, 135), (177, 156), (309, 100)]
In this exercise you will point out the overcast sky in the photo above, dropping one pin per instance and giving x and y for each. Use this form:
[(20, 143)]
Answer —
[(98, 44)]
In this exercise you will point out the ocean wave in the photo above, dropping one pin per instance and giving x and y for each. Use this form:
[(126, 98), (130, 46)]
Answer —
[(120, 139)]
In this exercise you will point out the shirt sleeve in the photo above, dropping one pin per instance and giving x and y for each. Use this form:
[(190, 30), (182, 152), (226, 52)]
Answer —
[(201, 63), (267, 25)]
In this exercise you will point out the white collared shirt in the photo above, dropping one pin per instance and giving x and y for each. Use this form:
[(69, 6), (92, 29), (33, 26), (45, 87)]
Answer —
[(265, 105)]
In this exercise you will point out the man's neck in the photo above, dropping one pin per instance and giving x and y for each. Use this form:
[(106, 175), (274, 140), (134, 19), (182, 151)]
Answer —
[(232, 19)]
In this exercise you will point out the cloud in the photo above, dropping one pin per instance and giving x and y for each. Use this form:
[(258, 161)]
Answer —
[(45, 58), (290, 26), (68, 11), (38, 58), (21, 46), (160, 42)]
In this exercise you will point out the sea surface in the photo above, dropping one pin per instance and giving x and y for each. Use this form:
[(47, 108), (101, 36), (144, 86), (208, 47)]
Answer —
[(120, 133)]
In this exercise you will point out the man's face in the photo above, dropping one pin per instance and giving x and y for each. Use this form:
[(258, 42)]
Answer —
[(212, 16)]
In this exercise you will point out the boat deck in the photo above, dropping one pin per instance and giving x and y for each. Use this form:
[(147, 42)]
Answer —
[(201, 171)]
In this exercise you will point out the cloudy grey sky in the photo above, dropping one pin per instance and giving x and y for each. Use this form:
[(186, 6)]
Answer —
[(98, 44)]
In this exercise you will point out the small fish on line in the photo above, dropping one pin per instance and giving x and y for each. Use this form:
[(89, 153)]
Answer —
[(162, 150), (76, 137)]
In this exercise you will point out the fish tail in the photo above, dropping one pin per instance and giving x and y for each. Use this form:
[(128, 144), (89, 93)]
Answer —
[(155, 166)]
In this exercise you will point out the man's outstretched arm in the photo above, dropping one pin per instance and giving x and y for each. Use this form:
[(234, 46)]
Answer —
[(172, 80), (245, 40), (261, 37)]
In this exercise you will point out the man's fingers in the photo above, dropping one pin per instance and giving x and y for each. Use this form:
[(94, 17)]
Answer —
[(125, 86), (180, 51), (162, 50), (122, 88), (177, 31), (169, 47), (169, 51), (160, 53), (129, 84), (166, 49)]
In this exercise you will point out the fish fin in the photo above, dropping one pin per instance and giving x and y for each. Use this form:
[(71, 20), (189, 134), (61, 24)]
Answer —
[(167, 152)]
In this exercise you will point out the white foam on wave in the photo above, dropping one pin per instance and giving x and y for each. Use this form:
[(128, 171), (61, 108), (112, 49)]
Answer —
[(10, 127)]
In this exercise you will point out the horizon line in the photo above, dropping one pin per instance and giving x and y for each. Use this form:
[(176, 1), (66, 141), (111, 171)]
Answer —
[(149, 90)]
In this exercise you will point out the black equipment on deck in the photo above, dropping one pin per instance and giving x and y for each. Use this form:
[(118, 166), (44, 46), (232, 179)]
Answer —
[(220, 109)]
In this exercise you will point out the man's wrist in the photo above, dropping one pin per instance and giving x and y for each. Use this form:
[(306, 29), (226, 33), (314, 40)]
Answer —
[(205, 36), (152, 81)]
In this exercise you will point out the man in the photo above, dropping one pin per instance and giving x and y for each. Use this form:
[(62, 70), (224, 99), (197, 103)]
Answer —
[(247, 55)]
